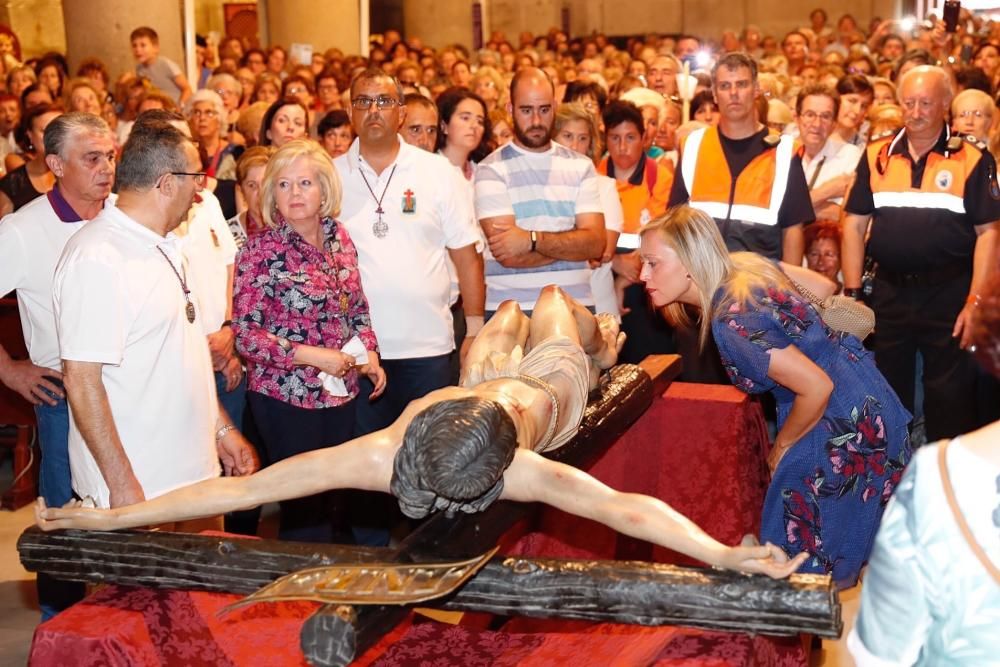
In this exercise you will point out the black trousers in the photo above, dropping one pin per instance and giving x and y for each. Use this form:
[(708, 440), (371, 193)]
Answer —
[(287, 430), (912, 318)]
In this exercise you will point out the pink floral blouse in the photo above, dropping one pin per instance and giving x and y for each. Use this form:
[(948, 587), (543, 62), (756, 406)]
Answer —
[(287, 288)]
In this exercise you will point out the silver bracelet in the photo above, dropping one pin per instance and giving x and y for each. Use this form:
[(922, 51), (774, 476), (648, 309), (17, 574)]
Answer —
[(221, 433)]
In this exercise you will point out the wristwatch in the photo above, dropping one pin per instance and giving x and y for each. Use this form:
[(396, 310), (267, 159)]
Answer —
[(534, 240), (852, 292)]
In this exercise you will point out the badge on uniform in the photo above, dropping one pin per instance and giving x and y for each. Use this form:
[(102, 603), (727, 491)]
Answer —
[(409, 202), (943, 179)]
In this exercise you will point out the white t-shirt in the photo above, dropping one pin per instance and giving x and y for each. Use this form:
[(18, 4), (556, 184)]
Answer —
[(602, 280), (118, 302), (31, 241), (209, 248), (836, 158), (405, 274)]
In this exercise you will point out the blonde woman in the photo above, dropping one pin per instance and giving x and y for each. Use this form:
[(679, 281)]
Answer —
[(842, 441), (297, 303), (974, 114)]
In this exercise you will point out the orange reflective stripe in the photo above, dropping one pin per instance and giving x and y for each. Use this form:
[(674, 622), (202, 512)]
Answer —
[(942, 184)]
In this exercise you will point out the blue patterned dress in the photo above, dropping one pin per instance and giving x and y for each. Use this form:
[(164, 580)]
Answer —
[(828, 493)]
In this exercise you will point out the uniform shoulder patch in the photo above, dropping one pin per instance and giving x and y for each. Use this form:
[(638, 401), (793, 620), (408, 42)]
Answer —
[(981, 145)]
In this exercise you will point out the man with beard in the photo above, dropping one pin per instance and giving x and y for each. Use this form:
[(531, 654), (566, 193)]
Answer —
[(538, 204)]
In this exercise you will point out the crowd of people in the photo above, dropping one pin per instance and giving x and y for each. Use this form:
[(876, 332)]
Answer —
[(340, 231)]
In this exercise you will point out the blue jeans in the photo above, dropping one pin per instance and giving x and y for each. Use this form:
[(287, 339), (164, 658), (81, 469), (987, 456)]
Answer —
[(55, 485)]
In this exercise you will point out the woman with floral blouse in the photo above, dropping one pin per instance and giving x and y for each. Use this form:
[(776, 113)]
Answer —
[(297, 303)]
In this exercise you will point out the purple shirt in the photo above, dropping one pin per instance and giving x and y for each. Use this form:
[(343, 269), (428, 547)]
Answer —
[(287, 288)]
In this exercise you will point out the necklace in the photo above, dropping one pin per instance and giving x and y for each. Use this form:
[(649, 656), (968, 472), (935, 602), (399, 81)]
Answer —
[(189, 307), (379, 227)]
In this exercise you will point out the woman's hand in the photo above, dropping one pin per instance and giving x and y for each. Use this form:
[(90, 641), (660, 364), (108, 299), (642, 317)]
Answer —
[(778, 451), (71, 515), (376, 374), (761, 559), (333, 361)]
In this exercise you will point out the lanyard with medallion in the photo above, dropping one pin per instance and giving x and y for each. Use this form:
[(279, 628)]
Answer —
[(188, 307), (379, 228)]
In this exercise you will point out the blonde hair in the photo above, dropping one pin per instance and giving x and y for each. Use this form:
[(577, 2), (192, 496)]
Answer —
[(695, 237), (570, 111), (982, 100), (329, 182)]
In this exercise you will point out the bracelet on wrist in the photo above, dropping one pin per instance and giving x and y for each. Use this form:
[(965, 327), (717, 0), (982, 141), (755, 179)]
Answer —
[(852, 292), (221, 433)]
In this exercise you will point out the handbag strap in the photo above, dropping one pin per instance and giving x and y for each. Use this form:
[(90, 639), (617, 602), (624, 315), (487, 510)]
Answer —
[(807, 293), (963, 526)]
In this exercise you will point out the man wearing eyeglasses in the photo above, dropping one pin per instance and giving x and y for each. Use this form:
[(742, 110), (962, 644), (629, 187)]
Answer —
[(138, 374), (932, 199), (828, 165), (401, 209)]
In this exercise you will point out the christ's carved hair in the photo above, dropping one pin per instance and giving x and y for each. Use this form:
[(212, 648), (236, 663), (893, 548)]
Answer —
[(453, 457)]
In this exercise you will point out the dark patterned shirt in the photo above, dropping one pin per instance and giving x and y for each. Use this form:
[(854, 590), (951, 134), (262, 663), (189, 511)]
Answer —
[(287, 288)]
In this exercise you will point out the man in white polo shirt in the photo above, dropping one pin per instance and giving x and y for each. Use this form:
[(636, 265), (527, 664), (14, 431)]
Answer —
[(80, 151), (137, 368), (402, 209)]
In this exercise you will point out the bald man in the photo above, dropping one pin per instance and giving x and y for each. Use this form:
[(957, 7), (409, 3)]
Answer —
[(538, 204)]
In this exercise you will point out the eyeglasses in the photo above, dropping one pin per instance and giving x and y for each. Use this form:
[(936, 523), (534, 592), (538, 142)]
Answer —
[(976, 113), (364, 103), (199, 176), (222, 92), (296, 90), (810, 116), (206, 113)]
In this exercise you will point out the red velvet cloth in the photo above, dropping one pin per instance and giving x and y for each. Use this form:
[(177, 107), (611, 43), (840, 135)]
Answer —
[(700, 448)]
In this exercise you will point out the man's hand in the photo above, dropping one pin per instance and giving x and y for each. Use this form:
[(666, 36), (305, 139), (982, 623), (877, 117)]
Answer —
[(509, 241), (233, 370), (126, 491), (963, 326), (627, 265), (31, 381), (222, 346), (238, 457)]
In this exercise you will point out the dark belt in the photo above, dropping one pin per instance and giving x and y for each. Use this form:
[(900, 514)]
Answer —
[(927, 278)]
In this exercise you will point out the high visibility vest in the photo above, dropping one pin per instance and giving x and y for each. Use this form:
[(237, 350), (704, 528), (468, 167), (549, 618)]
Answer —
[(760, 187), (942, 185)]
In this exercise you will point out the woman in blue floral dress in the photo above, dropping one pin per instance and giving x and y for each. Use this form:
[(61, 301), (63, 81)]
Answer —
[(842, 440)]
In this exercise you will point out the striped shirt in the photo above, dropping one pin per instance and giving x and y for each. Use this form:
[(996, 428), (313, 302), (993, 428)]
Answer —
[(544, 192)]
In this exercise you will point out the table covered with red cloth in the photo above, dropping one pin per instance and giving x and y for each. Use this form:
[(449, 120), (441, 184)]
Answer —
[(700, 448)]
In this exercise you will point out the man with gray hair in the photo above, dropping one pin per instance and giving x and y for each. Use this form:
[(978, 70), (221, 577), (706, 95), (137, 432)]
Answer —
[(80, 151), (138, 372), (932, 199)]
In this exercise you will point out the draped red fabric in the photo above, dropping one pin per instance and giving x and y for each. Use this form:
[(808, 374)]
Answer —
[(701, 448)]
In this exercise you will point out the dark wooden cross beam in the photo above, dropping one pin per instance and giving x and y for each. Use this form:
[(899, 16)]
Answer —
[(600, 591)]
